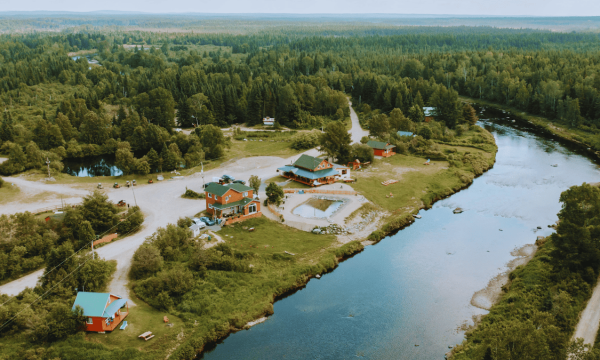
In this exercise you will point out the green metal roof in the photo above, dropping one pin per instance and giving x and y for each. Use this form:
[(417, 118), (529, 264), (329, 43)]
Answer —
[(312, 175), (243, 202), (308, 162), (220, 190), (380, 145), (93, 304)]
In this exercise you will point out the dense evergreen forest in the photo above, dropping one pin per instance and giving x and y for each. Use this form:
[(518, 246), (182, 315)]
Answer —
[(57, 107)]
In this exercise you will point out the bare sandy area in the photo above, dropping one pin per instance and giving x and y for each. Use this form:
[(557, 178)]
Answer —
[(491, 294)]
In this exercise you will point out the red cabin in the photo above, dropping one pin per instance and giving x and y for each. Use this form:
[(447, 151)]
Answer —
[(104, 311), (382, 149), (232, 202)]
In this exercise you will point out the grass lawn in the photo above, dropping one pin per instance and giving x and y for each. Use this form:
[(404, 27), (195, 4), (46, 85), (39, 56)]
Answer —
[(417, 184), (8, 192), (142, 318), (261, 148)]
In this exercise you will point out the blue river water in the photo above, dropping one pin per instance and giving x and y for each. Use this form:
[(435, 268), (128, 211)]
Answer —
[(415, 287)]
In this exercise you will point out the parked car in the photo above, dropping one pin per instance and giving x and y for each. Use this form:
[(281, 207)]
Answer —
[(228, 178), (197, 221), (207, 221), (239, 182)]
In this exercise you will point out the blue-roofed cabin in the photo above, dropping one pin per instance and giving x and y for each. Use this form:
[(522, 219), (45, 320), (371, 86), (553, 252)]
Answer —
[(104, 311), (405, 133)]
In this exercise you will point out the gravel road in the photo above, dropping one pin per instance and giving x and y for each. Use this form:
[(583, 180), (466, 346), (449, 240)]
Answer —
[(587, 328), (161, 203), (356, 132)]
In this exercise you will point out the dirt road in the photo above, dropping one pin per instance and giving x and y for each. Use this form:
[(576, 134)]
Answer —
[(161, 203), (356, 132), (587, 328)]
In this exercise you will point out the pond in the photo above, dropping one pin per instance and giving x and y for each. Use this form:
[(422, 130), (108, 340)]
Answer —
[(415, 287), (317, 208), (92, 166)]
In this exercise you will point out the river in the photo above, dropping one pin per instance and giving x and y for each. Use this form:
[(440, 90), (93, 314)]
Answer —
[(414, 287)]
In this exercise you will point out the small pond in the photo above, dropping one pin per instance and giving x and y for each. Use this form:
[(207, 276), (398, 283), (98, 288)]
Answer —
[(317, 208), (92, 166)]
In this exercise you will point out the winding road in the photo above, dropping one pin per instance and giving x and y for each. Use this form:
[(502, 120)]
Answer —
[(161, 203)]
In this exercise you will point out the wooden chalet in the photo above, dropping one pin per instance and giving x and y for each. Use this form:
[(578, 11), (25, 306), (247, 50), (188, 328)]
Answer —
[(312, 171), (381, 148), (231, 203), (104, 311)]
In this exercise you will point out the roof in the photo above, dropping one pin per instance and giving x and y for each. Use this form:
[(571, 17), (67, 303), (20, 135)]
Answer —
[(220, 190), (308, 162), (338, 166), (404, 133), (312, 175), (94, 304), (243, 202), (114, 307), (380, 145), (429, 111), (197, 226)]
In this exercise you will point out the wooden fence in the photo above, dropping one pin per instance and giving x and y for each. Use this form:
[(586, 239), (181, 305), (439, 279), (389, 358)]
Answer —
[(107, 238), (318, 191)]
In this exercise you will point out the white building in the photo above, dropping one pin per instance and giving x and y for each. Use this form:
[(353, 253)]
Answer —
[(196, 228), (268, 121), (343, 172)]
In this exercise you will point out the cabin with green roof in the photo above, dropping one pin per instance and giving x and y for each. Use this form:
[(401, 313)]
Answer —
[(313, 171), (381, 148), (104, 311)]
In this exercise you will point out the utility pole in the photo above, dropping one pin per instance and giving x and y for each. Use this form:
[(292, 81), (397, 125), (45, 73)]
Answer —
[(134, 199), (202, 172), (48, 164)]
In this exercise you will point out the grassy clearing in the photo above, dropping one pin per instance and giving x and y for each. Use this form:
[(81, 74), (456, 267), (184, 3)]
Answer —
[(225, 300), (8, 192), (142, 318), (261, 148)]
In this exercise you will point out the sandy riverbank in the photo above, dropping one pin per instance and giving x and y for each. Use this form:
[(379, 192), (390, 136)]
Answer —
[(491, 294)]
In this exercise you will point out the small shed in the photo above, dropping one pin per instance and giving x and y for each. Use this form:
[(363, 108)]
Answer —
[(104, 311), (196, 228)]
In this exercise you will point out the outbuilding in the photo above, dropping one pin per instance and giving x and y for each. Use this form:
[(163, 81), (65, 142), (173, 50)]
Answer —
[(428, 113), (381, 148), (104, 311)]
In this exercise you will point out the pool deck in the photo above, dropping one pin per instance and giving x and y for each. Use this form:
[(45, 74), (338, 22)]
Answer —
[(307, 224)]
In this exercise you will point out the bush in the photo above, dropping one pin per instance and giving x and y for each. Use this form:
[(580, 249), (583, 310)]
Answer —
[(146, 261), (191, 194), (305, 140), (1, 182)]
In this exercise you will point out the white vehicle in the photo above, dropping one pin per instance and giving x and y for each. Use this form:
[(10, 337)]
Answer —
[(197, 221)]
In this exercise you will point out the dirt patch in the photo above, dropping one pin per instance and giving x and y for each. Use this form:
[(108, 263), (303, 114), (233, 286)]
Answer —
[(491, 294)]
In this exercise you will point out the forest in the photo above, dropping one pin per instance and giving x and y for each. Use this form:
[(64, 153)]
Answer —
[(128, 101)]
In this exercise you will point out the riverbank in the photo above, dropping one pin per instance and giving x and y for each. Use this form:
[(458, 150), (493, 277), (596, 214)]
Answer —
[(584, 140)]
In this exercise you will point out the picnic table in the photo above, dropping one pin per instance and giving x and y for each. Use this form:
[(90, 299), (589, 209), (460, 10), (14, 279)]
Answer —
[(147, 335)]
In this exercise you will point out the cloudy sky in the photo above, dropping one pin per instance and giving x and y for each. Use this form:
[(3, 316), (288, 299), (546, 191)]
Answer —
[(456, 7)]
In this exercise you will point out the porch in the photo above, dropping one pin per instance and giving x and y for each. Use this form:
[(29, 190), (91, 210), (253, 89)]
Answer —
[(307, 181)]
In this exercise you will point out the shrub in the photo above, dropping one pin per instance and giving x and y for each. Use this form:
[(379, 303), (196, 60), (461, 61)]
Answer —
[(191, 194), (146, 261), (305, 140), (1, 182)]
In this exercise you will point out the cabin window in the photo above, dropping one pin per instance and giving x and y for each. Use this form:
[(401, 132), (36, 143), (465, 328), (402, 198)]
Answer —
[(344, 172), (90, 320), (210, 206), (216, 197), (252, 208), (210, 195), (245, 194)]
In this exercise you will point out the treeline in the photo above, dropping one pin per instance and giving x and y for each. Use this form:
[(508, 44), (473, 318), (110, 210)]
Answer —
[(29, 242), (536, 317)]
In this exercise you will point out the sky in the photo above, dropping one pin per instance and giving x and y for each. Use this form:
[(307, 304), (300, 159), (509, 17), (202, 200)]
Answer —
[(451, 7)]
